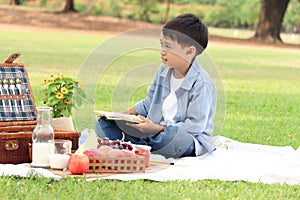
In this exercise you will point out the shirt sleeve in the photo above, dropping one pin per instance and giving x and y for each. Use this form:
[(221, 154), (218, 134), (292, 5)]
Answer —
[(142, 107)]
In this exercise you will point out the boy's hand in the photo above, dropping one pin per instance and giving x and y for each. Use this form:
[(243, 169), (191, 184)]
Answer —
[(147, 126), (100, 115), (130, 111)]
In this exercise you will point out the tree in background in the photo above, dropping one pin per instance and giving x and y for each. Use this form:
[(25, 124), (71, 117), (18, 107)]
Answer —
[(270, 20), (291, 21), (267, 17), (233, 14), (69, 6), (167, 11), (15, 2), (145, 9)]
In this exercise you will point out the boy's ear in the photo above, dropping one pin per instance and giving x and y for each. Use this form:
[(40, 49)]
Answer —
[(191, 51)]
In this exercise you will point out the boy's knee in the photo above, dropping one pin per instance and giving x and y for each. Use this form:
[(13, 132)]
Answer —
[(176, 150), (98, 130), (172, 143)]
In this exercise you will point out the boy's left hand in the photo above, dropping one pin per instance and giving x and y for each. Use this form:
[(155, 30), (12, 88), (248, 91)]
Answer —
[(147, 126)]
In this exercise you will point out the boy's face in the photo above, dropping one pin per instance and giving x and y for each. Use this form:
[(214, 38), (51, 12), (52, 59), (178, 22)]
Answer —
[(174, 55)]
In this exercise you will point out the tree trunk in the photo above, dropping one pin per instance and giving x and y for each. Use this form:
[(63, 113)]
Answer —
[(15, 2), (167, 11), (270, 20), (69, 7), (144, 10)]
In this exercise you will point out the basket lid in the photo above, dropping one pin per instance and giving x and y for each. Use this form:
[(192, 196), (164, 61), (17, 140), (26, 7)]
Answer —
[(16, 98)]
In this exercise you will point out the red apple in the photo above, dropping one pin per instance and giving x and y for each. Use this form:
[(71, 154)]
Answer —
[(78, 163)]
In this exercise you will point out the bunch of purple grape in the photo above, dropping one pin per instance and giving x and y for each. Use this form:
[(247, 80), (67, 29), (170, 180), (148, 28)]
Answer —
[(115, 144)]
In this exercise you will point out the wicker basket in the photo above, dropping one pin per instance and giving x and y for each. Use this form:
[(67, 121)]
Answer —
[(135, 164), (18, 115), (16, 147)]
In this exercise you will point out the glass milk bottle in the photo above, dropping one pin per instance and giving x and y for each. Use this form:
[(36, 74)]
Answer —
[(42, 139)]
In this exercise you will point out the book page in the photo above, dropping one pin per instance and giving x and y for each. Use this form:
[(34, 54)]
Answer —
[(119, 116)]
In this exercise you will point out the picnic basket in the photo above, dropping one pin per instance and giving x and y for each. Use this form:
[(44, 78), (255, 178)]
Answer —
[(18, 114)]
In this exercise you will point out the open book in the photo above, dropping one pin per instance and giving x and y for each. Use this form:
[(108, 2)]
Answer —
[(118, 116)]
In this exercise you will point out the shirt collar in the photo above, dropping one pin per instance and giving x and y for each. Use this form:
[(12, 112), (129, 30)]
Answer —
[(190, 77)]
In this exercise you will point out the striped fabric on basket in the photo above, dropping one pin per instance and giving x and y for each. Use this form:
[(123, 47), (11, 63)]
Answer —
[(16, 101)]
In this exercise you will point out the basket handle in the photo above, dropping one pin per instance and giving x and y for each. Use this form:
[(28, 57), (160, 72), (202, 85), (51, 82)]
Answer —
[(13, 57)]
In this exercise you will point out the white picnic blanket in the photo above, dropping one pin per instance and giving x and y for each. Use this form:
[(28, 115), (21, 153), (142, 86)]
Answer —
[(231, 161)]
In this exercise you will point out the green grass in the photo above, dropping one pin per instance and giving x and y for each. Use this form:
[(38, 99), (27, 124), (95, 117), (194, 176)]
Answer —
[(262, 104), (262, 92), (35, 188)]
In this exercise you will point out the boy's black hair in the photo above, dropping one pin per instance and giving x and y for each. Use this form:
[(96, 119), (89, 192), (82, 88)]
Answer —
[(184, 27)]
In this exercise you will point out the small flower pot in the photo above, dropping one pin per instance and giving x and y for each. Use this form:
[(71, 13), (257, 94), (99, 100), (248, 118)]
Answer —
[(63, 123)]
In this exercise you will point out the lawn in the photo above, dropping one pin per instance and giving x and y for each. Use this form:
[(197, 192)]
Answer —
[(261, 88)]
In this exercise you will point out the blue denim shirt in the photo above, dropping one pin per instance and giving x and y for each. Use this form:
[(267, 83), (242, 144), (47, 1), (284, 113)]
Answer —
[(196, 98)]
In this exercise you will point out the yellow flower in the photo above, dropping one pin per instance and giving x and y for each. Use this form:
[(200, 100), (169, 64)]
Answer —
[(68, 101), (61, 76), (64, 90), (59, 95)]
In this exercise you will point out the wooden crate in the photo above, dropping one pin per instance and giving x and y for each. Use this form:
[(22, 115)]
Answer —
[(135, 164)]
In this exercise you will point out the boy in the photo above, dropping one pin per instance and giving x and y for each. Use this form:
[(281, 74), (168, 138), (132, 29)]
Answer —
[(181, 101)]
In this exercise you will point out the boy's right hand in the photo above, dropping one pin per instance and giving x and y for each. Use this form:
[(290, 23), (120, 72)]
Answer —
[(147, 127), (100, 115)]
